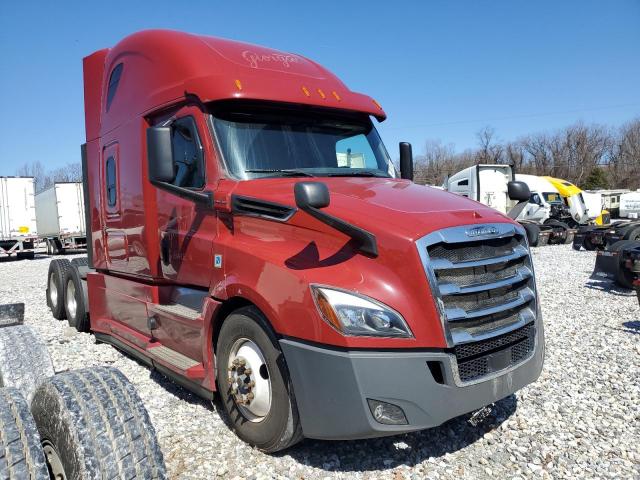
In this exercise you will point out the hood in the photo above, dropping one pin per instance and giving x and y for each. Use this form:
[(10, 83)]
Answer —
[(382, 204)]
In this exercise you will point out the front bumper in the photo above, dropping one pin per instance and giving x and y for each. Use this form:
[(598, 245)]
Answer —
[(332, 388)]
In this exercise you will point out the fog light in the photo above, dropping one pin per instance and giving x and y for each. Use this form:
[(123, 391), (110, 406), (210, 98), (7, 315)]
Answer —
[(387, 413)]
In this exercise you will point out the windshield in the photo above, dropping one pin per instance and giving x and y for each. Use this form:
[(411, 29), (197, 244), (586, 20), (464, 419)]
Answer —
[(261, 143), (552, 197)]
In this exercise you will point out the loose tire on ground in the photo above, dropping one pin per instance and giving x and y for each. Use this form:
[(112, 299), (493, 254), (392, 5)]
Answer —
[(622, 275), (58, 270), (93, 425), (533, 232), (24, 360), (21, 455), (280, 427), (74, 301)]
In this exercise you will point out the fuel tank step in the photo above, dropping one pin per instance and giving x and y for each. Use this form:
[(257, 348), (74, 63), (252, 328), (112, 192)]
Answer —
[(178, 360)]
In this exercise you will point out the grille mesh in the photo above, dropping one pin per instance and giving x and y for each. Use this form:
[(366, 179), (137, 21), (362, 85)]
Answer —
[(474, 251), (466, 277), (485, 299), (473, 349), (474, 358)]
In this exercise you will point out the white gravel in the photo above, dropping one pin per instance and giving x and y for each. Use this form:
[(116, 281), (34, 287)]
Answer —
[(581, 419)]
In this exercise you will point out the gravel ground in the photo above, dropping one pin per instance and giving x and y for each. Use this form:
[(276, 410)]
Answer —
[(581, 419)]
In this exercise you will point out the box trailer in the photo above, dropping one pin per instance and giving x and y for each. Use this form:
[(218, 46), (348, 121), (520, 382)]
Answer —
[(60, 217), (18, 230), (250, 236)]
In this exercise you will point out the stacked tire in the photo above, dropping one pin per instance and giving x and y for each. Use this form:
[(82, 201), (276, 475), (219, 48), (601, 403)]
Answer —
[(87, 423)]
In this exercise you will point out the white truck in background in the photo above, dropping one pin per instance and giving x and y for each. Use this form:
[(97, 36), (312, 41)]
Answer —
[(60, 217), (18, 231), (630, 205), (487, 184)]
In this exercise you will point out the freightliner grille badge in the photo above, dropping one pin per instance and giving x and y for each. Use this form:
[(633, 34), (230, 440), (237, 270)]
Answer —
[(481, 231)]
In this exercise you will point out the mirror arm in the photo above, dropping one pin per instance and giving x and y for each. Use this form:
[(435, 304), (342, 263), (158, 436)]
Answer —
[(517, 209), (366, 240), (203, 198)]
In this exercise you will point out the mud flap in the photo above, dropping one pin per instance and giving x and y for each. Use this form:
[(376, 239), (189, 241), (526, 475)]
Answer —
[(606, 265), (11, 314)]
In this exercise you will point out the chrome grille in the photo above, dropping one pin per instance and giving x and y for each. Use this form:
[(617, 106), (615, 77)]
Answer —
[(485, 289)]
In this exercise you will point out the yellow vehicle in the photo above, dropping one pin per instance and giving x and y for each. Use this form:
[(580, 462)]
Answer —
[(586, 208)]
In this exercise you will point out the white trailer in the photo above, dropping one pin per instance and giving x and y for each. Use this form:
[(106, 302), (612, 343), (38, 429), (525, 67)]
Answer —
[(630, 205), (18, 231), (60, 217)]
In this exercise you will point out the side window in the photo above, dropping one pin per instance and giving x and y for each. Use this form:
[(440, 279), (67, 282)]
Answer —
[(535, 198), (187, 154), (114, 80), (110, 182), (463, 182)]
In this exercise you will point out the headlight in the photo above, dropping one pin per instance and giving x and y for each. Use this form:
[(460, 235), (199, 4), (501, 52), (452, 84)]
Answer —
[(357, 315)]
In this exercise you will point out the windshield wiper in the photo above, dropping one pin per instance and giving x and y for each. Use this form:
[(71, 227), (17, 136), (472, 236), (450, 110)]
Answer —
[(357, 174), (288, 172)]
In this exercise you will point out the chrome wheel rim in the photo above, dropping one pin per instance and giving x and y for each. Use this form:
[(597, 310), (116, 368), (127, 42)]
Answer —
[(71, 299), (54, 464), (53, 291), (249, 380)]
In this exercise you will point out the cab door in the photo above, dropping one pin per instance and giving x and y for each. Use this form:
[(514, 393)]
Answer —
[(187, 229)]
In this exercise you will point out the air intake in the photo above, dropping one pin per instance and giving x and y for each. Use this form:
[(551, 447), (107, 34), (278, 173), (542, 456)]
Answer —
[(253, 207)]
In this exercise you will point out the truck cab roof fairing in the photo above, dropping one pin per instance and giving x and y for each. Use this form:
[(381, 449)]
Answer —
[(161, 67)]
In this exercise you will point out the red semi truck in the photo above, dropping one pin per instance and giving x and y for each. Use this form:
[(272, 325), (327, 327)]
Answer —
[(249, 235)]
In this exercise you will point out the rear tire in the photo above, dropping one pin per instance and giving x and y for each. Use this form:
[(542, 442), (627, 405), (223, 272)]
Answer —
[(24, 360), (94, 425), (552, 222), (74, 301), (58, 270), (21, 454), (270, 429), (632, 234), (622, 275)]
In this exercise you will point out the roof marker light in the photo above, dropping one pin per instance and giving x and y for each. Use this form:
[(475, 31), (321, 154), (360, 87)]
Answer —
[(376, 104), (306, 91), (238, 85), (335, 94), (321, 93)]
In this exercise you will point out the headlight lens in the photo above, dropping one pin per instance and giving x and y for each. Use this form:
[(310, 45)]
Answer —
[(357, 315)]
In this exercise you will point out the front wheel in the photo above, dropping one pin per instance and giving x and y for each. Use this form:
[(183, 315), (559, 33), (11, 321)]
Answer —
[(254, 383)]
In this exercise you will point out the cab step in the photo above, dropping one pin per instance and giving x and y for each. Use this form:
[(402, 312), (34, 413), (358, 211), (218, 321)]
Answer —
[(178, 310), (178, 360)]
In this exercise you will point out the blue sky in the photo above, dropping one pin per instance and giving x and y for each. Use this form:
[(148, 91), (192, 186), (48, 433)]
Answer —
[(441, 69)]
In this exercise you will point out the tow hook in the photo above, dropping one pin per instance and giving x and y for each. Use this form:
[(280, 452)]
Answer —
[(480, 415)]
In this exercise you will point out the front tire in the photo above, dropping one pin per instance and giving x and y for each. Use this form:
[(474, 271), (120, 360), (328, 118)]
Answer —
[(254, 383)]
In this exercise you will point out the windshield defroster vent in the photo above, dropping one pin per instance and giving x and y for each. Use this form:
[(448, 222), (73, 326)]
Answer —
[(254, 207)]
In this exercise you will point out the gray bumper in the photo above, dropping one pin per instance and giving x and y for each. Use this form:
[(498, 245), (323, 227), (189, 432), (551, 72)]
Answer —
[(332, 387)]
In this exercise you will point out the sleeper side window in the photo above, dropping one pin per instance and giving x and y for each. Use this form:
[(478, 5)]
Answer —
[(187, 154), (114, 80), (110, 177)]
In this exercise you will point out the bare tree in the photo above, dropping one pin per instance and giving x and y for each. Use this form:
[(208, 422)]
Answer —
[(71, 172)]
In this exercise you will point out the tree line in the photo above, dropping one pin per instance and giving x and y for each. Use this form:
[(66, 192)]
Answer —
[(590, 156), (43, 178)]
